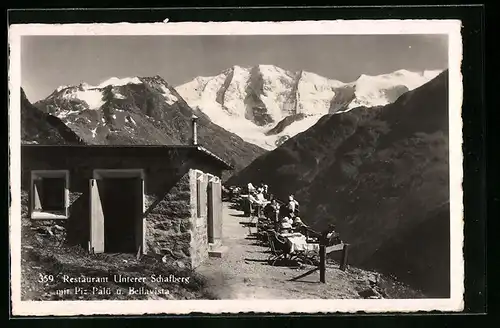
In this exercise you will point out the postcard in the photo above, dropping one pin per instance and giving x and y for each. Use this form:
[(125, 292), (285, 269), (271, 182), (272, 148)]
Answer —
[(231, 167)]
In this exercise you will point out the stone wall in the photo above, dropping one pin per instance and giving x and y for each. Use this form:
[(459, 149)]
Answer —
[(168, 222), (171, 226)]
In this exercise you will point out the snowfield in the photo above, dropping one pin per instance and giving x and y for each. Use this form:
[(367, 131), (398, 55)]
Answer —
[(230, 97), (169, 96), (93, 98), (118, 82)]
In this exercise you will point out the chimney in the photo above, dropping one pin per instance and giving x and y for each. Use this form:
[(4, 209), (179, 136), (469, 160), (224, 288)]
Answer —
[(194, 120)]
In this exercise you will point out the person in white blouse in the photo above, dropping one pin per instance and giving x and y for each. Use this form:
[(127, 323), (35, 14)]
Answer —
[(250, 187), (260, 196), (293, 205)]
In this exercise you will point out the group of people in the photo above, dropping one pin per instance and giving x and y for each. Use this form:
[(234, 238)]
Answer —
[(284, 215), (287, 216), (258, 196)]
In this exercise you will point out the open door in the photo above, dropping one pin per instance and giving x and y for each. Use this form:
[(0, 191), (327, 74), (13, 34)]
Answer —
[(96, 219)]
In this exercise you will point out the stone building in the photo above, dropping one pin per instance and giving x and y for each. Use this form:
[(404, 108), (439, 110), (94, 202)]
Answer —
[(164, 200)]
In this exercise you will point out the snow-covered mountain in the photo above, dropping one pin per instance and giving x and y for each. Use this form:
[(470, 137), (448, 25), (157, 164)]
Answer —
[(140, 110), (266, 105)]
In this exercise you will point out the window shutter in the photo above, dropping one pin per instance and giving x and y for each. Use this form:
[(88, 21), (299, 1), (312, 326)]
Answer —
[(198, 195), (37, 194), (203, 198)]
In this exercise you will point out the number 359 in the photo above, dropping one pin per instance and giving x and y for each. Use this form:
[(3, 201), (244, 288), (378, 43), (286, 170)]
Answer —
[(45, 278)]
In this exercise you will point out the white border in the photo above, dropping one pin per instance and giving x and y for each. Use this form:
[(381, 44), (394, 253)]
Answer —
[(450, 27)]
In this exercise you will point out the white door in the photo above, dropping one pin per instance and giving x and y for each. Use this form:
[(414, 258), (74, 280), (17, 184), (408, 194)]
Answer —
[(96, 219)]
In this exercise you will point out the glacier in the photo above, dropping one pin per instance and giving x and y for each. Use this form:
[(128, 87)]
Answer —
[(251, 101)]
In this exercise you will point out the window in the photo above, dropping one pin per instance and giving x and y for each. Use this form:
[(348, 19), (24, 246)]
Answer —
[(49, 194)]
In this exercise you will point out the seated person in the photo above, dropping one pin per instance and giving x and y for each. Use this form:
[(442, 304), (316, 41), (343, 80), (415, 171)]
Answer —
[(286, 224), (297, 222), (252, 201), (257, 202), (271, 209), (284, 211), (285, 227), (333, 237), (252, 198)]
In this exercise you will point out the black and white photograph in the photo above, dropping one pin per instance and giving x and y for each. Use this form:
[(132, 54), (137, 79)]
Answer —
[(264, 167)]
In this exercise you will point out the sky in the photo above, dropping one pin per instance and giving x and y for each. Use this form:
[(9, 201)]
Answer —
[(51, 61)]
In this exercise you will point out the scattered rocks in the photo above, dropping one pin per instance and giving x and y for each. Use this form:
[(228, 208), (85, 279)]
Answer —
[(43, 230), (369, 293), (180, 264), (373, 279), (58, 227)]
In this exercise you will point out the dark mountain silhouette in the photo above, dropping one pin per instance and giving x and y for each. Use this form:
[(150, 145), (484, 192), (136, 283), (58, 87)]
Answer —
[(147, 112), (38, 127), (382, 176)]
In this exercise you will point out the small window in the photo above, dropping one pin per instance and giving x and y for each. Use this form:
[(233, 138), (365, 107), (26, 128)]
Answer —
[(49, 194)]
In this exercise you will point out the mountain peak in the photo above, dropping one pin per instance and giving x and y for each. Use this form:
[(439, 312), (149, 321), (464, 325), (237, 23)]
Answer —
[(115, 81), (270, 69), (238, 67), (402, 72), (253, 101), (155, 79)]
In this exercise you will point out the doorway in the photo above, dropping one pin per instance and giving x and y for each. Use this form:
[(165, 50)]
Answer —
[(121, 205), (116, 212)]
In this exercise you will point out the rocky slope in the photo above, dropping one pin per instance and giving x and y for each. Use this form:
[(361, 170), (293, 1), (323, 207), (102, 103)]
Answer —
[(266, 105), (382, 176), (140, 111), (38, 127)]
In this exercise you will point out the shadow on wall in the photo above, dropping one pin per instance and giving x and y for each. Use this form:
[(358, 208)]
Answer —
[(78, 223), (161, 190)]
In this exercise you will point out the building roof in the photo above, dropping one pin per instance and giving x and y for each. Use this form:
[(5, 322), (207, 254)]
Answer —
[(197, 148)]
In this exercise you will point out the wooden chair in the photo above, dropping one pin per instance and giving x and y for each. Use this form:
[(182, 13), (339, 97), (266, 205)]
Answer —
[(279, 248)]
